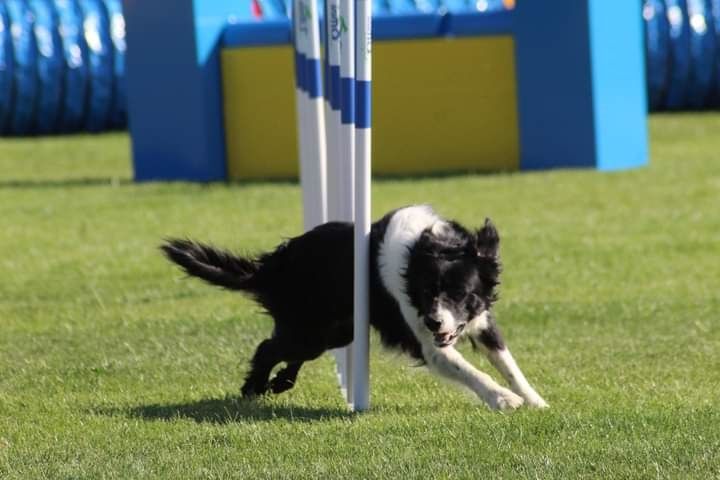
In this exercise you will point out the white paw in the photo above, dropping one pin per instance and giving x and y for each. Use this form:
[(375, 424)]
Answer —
[(504, 400), (536, 402)]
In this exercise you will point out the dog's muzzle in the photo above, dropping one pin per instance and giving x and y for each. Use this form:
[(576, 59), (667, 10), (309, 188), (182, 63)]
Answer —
[(447, 339)]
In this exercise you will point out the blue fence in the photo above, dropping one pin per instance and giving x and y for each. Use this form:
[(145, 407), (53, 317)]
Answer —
[(62, 62)]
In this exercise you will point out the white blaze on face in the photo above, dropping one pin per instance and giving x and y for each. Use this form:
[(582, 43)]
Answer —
[(402, 233), (448, 322)]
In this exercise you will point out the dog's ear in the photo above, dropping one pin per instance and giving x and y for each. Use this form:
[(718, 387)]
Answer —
[(487, 240)]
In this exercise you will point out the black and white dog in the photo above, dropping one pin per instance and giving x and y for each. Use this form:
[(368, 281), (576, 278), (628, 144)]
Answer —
[(431, 282)]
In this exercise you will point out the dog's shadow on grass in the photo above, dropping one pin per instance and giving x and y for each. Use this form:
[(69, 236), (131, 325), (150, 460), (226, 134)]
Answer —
[(232, 410)]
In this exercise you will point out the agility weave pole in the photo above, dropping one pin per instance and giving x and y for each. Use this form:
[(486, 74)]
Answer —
[(311, 122), (339, 165), (335, 152)]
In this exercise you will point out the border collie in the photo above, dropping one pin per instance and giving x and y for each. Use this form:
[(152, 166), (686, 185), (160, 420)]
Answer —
[(432, 282)]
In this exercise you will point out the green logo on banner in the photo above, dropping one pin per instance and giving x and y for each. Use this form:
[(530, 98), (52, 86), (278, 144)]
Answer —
[(343, 25)]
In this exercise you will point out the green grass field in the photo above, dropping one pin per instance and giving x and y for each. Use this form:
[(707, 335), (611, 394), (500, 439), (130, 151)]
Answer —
[(114, 366)]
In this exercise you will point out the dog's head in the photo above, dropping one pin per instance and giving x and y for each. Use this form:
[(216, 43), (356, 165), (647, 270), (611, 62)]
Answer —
[(451, 277)]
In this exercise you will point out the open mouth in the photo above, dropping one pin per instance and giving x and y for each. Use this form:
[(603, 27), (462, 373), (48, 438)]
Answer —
[(444, 340)]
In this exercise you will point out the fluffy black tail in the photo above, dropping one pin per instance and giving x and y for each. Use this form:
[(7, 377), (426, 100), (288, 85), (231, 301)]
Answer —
[(215, 266)]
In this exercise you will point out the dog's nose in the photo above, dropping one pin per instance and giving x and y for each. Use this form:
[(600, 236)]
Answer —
[(432, 323)]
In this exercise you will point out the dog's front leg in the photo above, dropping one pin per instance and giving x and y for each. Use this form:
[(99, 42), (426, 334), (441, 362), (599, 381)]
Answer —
[(486, 336), (449, 363)]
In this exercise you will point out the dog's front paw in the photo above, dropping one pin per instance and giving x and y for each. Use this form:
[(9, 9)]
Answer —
[(504, 400), (536, 402)]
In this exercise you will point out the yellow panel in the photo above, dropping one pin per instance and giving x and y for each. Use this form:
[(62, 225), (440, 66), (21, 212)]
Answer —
[(438, 105), (260, 114)]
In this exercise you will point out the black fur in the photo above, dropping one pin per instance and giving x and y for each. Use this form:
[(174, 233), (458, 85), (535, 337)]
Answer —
[(306, 286)]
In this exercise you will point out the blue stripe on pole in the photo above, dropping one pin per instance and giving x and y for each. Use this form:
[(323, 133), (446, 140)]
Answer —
[(347, 100), (335, 87), (363, 104), (326, 77), (313, 80)]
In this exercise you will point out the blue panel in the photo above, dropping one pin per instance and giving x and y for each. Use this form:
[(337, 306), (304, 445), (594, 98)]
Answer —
[(50, 66), (118, 111), (702, 53), (271, 32), (25, 74), (581, 84), (6, 69), (406, 19), (100, 62), (467, 17), (380, 7), (619, 95), (554, 84), (472, 23), (679, 54), (273, 10), (406, 25), (75, 82), (211, 18), (657, 38), (173, 78)]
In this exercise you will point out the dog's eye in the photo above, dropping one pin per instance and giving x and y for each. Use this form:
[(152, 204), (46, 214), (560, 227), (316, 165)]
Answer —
[(473, 301)]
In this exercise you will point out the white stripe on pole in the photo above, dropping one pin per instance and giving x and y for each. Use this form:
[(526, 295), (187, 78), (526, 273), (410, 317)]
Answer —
[(363, 161), (312, 164)]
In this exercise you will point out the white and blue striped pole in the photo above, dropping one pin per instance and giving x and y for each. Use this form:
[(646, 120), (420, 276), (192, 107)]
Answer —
[(311, 123), (347, 143), (363, 164), (337, 204)]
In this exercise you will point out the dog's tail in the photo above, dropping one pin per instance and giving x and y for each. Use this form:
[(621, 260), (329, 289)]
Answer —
[(213, 265)]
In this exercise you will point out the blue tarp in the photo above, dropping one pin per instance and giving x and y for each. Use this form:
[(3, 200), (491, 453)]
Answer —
[(679, 54), (118, 109), (6, 69), (100, 63), (76, 70), (25, 87), (702, 53), (657, 35), (50, 66)]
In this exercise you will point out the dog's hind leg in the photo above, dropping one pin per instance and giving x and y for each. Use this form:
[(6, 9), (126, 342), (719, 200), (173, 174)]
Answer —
[(285, 379), (266, 356), (484, 335)]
